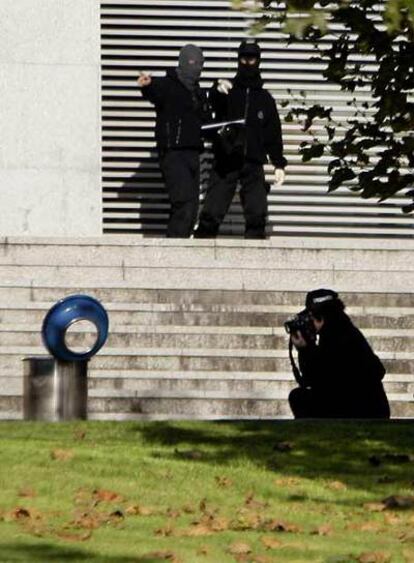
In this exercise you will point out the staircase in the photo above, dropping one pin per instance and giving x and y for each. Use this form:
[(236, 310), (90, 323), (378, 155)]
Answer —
[(196, 327)]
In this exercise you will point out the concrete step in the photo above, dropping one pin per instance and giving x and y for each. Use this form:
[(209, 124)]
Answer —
[(127, 252), (277, 265), (173, 408), (174, 360), (188, 387), (237, 279), (145, 315), (251, 341), (36, 293), (107, 352)]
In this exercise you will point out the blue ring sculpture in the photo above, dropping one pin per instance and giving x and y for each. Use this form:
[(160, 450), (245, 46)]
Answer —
[(66, 312)]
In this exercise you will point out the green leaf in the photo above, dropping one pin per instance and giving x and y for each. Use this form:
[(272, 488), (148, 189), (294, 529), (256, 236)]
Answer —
[(314, 151), (340, 176)]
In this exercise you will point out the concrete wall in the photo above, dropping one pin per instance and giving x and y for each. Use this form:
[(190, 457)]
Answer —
[(50, 118)]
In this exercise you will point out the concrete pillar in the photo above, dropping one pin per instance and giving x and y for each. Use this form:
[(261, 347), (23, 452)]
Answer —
[(50, 118)]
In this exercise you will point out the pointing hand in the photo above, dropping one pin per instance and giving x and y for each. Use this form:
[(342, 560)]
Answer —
[(144, 79)]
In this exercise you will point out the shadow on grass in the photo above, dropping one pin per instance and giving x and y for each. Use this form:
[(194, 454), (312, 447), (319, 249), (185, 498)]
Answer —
[(40, 553), (307, 449)]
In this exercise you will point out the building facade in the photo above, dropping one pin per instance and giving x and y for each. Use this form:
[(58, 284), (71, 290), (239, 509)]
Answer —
[(77, 153)]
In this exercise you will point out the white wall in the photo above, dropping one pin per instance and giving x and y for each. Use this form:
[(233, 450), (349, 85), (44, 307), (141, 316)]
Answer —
[(50, 118)]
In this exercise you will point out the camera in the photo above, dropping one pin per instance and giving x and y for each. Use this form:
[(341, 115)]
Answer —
[(303, 323)]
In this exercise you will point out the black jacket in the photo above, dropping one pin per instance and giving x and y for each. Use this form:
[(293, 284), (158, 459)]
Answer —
[(180, 112), (343, 370), (264, 133)]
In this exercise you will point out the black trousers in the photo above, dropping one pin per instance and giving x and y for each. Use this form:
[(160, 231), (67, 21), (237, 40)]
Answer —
[(253, 195), (308, 403), (181, 172)]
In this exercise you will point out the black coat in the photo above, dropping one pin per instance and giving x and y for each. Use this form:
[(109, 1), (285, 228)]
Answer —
[(180, 112), (344, 372), (264, 133)]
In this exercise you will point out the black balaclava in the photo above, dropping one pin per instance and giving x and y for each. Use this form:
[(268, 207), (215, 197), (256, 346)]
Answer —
[(189, 72), (248, 75)]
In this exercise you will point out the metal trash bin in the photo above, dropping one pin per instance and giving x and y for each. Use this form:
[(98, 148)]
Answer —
[(54, 390)]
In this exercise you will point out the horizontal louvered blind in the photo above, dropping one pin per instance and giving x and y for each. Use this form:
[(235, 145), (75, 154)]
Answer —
[(146, 35)]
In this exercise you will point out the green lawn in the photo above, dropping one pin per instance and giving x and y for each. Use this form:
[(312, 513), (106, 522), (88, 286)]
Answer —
[(207, 492)]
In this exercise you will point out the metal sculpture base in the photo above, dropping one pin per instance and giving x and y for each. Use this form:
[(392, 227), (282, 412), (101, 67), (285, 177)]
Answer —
[(54, 390)]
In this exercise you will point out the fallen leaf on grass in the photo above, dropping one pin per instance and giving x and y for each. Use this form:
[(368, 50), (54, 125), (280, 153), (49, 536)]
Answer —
[(61, 455), (271, 543), (116, 515), (163, 555), (374, 506), (373, 557), (84, 496), (337, 486), (218, 524), (283, 447), (323, 530), (247, 520), (164, 531), (408, 555), (280, 526), (173, 513), (207, 525), (260, 559), (189, 509), (195, 531), (20, 513), (79, 434), (74, 537), (287, 482), (239, 548), (203, 550), (374, 527), (103, 495), (27, 493), (223, 481), (251, 502), (138, 510), (406, 537), (88, 520), (393, 519), (399, 502)]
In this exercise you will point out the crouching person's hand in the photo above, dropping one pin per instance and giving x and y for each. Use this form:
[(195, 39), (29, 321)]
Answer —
[(298, 340)]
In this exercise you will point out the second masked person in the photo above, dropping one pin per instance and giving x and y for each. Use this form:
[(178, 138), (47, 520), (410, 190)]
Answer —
[(240, 151)]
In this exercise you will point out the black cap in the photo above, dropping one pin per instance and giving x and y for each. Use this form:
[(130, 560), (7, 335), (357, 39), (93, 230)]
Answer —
[(249, 48), (318, 298)]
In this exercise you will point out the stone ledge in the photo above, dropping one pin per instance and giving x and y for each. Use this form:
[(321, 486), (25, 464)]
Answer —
[(347, 243)]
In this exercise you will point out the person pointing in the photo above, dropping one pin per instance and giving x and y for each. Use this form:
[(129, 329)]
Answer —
[(181, 108)]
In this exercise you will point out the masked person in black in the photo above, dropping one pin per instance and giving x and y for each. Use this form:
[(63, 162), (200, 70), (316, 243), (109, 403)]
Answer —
[(240, 151), (341, 377), (181, 108)]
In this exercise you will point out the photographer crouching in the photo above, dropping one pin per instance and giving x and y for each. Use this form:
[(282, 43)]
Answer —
[(339, 375)]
